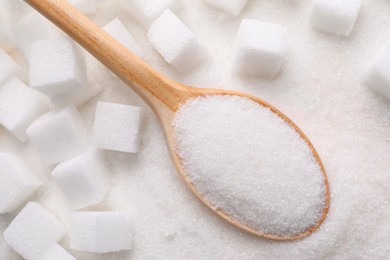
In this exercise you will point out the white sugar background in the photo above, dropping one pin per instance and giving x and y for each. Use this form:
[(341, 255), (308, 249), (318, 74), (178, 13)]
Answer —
[(320, 88)]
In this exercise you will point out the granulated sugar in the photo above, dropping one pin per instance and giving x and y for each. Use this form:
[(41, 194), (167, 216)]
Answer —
[(249, 162)]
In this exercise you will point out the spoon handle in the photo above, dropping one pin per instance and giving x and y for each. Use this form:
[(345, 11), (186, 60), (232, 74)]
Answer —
[(153, 87)]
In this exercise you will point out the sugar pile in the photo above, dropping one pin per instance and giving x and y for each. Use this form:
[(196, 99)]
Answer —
[(250, 163), (320, 87)]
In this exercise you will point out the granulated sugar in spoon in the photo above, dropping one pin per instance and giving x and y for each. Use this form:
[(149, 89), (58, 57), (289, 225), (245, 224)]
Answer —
[(240, 156)]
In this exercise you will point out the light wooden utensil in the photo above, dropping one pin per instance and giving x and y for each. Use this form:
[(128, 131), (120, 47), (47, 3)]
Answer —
[(163, 95)]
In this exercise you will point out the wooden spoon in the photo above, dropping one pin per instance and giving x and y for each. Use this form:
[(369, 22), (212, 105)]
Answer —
[(163, 95)]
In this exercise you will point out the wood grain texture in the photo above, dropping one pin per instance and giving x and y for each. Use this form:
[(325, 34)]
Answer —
[(163, 95)]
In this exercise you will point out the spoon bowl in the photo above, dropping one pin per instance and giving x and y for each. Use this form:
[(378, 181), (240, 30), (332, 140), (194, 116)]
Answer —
[(167, 120), (163, 95)]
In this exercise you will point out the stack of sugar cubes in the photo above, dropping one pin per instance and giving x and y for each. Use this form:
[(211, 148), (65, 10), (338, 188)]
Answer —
[(43, 109)]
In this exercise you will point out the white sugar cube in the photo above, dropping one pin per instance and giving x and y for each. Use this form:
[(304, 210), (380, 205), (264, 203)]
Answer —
[(335, 16), (7, 41), (233, 7), (8, 67), (175, 42), (83, 180), (19, 106), (259, 49), (33, 231), (378, 76), (56, 252), (17, 182), (146, 12), (100, 232), (117, 127), (118, 31), (85, 6), (59, 135), (56, 67), (32, 28)]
